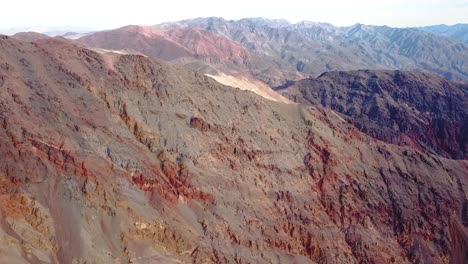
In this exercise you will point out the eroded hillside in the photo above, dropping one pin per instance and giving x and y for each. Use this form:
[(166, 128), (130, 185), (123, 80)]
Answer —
[(111, 158)]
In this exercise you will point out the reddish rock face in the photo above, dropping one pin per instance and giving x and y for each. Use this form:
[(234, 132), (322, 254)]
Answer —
[(205, 44), (110, 158), (412, 109), (183, 45)]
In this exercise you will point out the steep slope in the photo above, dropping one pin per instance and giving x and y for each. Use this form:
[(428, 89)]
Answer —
[(313, 48), (406, 108), (110, 158), (458, 31)]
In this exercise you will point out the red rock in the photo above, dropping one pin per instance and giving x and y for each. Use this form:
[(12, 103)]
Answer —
[(215, 188)]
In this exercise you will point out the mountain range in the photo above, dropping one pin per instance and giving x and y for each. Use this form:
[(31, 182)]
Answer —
[(279, 51), (136, 145)]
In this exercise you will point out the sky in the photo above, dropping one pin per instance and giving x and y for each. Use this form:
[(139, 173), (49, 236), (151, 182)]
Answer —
[(104, 14)]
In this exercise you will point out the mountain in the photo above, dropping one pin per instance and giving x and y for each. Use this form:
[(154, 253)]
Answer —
[(414, 109), (197, 49), (313, 48), (29, 36), (180, 44), (111, 158), (458, 31)]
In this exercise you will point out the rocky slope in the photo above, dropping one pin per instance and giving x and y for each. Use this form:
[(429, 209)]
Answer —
[(313, 48), (184, 45), (109, 158), (406, 108)]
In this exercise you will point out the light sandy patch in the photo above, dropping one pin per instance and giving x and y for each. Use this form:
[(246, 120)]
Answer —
[(249, 84), (121, 52)]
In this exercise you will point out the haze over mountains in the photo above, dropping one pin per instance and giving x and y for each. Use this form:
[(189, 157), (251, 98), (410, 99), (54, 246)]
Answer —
[(135, 145), (53, 31), (458, 31)]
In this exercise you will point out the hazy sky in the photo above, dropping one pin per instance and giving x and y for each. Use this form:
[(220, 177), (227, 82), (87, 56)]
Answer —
[(105, 14)]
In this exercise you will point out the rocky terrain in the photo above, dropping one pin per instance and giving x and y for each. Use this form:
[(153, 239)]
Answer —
[(414, 109), (110, 158)]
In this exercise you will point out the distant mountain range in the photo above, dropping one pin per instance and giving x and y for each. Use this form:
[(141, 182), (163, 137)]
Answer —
[(275, 51), (458, 31), (47, 30)]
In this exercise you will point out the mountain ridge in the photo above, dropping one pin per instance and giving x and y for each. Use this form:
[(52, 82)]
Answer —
[(340, 48)]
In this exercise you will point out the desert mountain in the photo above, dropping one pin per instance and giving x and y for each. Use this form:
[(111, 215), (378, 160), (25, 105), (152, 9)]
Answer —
[(29, 36), (313, 48), (197, 49), (420, 110), (179, 44), (110, 158), (458, 31)]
